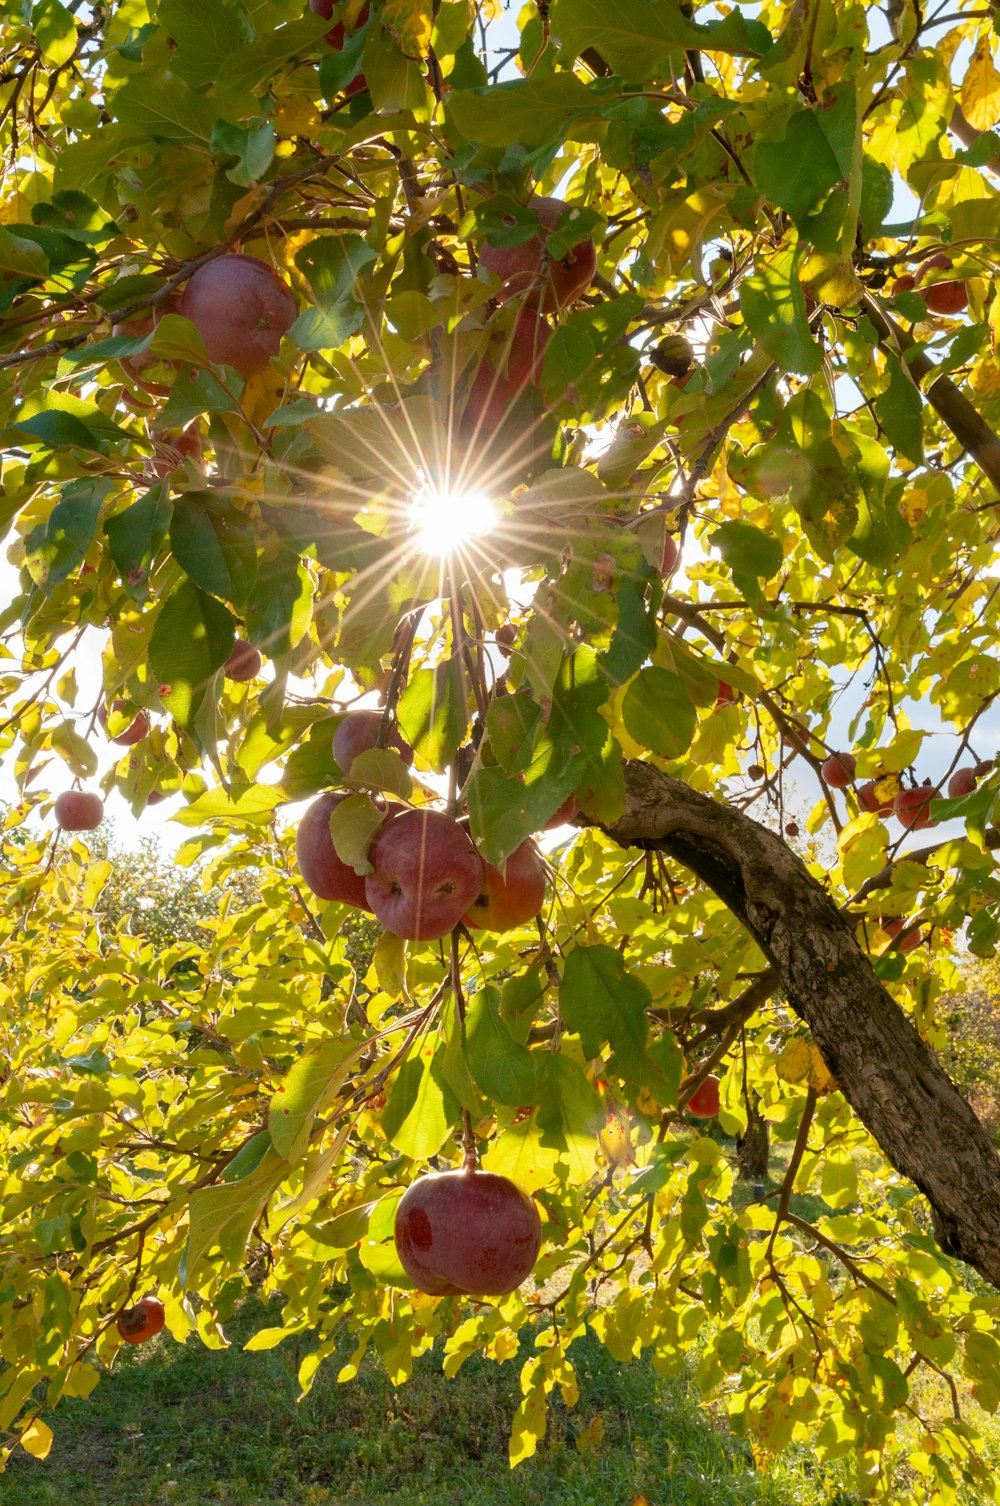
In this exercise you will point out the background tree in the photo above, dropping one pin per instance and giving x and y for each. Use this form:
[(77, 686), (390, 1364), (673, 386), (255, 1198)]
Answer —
[(700, 308)]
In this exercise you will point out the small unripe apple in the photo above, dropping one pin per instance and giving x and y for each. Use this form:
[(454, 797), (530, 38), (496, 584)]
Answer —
[(136, 730), (241, 308), (949, 297), (962, 782), (467, 1233), (79, 810), (244, 663), (704, 1101), (141, 1322), (912, 807), (838, 770), (512, 896), (426, 874), (527, 271), (358, 732), (674, 356), (322, 871), (756, 771)]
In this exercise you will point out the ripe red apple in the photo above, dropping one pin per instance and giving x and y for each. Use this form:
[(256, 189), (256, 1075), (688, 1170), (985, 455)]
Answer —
[(905, 937), (427, 873), (949, 297), (962, 782), (172, 449), (983, 767), (358, 732), (336, 37), (726, 695), (904, 284), (243, 663), (467, 1233), (704, 1101), (912, 807), (671, 555), (138, 329), (838, 770), (321, 869), (510, 897), (141, 1322), (79, 810), (241, 309), (527, 271), (568, 811), (868, 799), (136, 730), (514, 360)]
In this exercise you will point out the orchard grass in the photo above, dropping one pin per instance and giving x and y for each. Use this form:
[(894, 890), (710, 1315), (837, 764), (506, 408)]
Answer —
[(192, 1426)]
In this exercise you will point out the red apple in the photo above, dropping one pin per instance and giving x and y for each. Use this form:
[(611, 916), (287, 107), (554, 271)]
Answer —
[(904, 284), (869, 800), (137, 729), (948, 297), (426, 874), (241, 309), (726, 695), (912, 807), (568, 811), (358, 732), (704, 1101), (905, 937), (467, 1233), (838, 771), (141, 1322), (514, 360), (512, 896), (138, 329), (321, 869), (984, 767), (671, 555), (78, 810), (172, 449), (243, 663), (527, 271), (962, 782)]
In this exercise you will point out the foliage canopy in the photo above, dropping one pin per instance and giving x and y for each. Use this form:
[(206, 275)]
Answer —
[(185, 1116)]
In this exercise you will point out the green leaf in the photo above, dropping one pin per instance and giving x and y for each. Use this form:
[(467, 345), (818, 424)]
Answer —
[(305, 1091), (381, 769), (519, 1001), (570, 1113), (207, 34), (433, 712), (55, 33), (532, 111), (353, 824), (606, 1004), (815, 154), (774, 307), (224, 1215), (335, 266), (422, 1108), (192, 638), (658, 714), (503, 1070), (162, 106), (747, 550), (213, 542), (511, 724), (900, 411), (56, 548), (279, 608), (634, 36)]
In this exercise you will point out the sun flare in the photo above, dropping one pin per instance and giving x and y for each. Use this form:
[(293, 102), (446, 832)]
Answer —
[(443, 520)]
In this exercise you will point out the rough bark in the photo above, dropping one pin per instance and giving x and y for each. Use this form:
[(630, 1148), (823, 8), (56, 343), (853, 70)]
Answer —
[(887, 1072), (753, 1148)]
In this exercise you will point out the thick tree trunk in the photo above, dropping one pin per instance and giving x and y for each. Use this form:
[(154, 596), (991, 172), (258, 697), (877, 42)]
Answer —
[(887, 1072), (753, 1148)]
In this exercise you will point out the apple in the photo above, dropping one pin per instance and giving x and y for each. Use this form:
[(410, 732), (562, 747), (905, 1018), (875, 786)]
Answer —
[(514, 360), (984, 767), (137, 729), (756, 771), (322, 871), (467, 1233), (241, 309), (704, 1101), (726, 695), (138, 329), (505, 638), (527, 271), (869, 800), (426, 874), (905, 937), (912, 807), (243, 663), (512, 896), (838, 770), (568, 811), (948, 297), (358, 732), (673, 356), (671, 555), (172, 449), (904, 284), (337, 35), (78, 810), (962, 782), (141, 1322)]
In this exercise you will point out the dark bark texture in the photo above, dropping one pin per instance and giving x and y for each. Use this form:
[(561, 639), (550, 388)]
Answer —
[(886, 1071)]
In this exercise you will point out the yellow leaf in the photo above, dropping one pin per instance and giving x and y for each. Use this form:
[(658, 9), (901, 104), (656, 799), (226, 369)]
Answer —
[(981, 89), (36, 1439), (411, 23), (821, 1080), (794, 1061), (592, 1436)]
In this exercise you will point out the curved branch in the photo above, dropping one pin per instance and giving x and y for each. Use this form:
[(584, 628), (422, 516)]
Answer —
[(884, 1068)]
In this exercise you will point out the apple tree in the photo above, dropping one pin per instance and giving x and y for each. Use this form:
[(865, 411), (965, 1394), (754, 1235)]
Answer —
[(520, 489)]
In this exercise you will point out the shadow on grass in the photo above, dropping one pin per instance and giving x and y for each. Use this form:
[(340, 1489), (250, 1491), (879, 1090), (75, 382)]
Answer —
[(194, 1427)]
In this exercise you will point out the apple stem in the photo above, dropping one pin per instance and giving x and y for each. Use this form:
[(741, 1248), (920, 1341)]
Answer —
[(470, 1156)]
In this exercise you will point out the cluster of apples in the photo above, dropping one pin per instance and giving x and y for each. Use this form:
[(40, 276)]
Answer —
[(425, 875), (82, 810), (911, 807)]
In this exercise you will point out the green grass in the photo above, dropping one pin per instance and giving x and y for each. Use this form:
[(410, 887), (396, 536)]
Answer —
[(188, 1426)]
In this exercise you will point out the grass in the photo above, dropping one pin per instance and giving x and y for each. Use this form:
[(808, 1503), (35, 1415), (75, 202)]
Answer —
[(189, 1426)]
